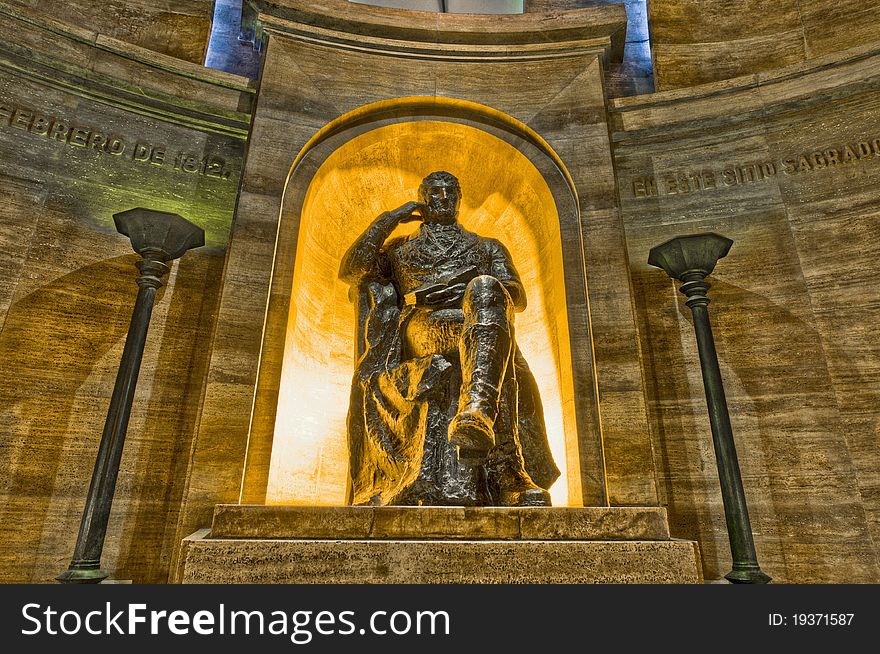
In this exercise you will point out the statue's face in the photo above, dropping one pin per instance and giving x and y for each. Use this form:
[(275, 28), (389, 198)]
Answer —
[(443, 203)]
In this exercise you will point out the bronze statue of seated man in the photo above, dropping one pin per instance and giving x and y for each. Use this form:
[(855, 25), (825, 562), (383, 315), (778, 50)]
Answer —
[(444, 410)]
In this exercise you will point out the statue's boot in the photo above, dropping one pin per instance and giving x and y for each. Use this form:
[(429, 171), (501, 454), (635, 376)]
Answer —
[(516, 488), (485, 349), (484, 363), (509, 482)]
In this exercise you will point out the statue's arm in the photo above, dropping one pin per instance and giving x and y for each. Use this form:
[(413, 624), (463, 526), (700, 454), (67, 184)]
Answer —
[(362, 258), (504, 271)]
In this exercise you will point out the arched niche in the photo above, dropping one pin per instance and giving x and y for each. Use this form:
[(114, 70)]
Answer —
[(353, 170)]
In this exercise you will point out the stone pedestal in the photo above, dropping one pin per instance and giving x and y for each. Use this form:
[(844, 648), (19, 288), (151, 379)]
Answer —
[(438, 545)]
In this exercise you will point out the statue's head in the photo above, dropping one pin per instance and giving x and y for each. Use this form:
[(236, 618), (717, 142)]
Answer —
[(442, 193)]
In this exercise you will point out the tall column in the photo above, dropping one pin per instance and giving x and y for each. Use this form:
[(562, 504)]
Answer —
[(690, 259), (159, 238)]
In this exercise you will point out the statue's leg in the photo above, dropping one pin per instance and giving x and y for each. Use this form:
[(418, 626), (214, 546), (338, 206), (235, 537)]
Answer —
[(509, 483), (485, 350)]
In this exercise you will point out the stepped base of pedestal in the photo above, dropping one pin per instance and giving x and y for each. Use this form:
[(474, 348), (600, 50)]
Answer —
[(438, 545)]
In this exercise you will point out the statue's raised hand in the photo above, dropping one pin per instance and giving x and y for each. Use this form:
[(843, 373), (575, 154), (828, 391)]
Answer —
[(409, 212)]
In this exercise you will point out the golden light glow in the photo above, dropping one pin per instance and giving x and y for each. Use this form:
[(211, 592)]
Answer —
[(505, 197)]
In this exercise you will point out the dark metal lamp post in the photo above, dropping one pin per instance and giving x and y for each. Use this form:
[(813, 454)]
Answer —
[(690, 259), (159, 238)]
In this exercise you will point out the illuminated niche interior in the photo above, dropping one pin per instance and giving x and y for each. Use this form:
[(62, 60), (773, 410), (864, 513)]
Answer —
[(503, 196)]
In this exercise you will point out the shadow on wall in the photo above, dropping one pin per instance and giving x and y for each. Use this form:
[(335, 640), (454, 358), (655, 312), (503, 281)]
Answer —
[(159, 481), (59, 351), (660, 325), (49, 345), (805, 507)]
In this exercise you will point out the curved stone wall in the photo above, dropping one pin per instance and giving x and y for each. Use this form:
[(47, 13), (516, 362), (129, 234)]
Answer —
[(635, 73), (698, 41), (792, 175), (178, 28), (90, 126)]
